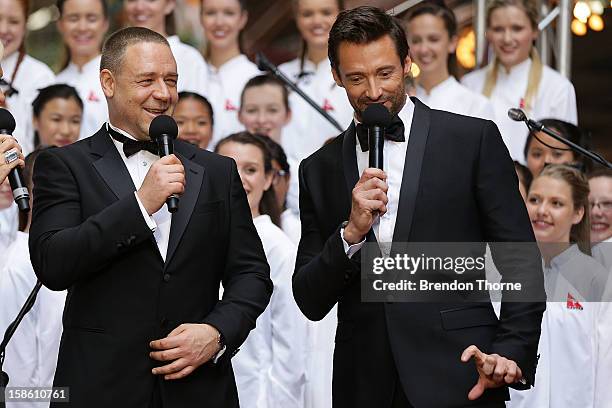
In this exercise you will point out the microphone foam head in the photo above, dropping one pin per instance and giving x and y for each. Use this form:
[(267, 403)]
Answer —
[(7, 121), (517, 115), (262, 62), (163, 125), (376, 115)]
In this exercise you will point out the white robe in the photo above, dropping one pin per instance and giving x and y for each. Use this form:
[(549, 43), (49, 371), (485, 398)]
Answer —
[(566, 375), (31, 355), (269, 367), (555, 99), (31, 76), (9, 222), (290, 222), (451, 96), (86, 80), (224, 90)]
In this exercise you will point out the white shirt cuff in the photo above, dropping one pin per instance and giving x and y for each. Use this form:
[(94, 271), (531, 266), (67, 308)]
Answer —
[(148, 219), (219, 354), (349, 249)]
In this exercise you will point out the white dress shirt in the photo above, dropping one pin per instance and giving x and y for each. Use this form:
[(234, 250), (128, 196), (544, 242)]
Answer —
[(9, 223), (31, 76), (31, 355), (191, 67), (86, 80), (225, 88), (138, 166), (555, 99), (270, 367), (451, 96), (394, 155)]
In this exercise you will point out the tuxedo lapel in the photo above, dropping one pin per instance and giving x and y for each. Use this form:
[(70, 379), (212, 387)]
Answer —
[(194, 176), (415, 151), (110, 166)]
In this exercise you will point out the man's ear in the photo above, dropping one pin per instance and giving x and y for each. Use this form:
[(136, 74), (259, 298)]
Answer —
[(107, 80), (336, 76), (407, 66)]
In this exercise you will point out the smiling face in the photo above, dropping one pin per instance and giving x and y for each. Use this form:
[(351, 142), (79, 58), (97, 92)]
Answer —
[(600, 198), (263, 111), (12, 25), (149, 14), (59, 122), (222, 21), (551, 210), (314, 19), (372, 73), (194, 122), (430, 44), (539, 154), (251, 167), (143, 87), (512, 35), (82, 26)]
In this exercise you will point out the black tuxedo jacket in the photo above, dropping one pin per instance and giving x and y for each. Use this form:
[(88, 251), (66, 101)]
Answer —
[(89, 236), (459, 185)]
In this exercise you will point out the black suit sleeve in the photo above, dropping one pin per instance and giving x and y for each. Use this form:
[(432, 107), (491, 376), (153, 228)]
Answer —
[(246, 279), (322, 268), (506, 223), (63, 248)]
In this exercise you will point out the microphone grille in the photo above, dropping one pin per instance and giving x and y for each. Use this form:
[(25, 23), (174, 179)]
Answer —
[(7, 121), (517, 115), (376, 115), (163, 125)]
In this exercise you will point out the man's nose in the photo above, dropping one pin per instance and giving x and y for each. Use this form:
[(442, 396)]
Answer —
[(374, 91)]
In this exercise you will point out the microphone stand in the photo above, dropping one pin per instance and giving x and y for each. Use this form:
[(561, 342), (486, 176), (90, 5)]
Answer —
[(10, 331), (265, 65), (538, 127)]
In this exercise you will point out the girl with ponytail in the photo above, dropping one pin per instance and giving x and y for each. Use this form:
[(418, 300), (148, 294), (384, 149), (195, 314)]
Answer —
[(516, 77)]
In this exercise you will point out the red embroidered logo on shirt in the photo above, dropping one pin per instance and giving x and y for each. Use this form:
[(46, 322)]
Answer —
[(573, 303), (522, 103), (229, 106), (92, 97), (327, 106)]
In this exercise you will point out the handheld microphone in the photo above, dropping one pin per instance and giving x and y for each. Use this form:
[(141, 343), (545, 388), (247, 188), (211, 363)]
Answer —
[(20, 190), (376, 118), (163, 130)]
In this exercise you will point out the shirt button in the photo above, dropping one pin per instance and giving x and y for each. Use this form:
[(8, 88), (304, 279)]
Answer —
[(144, 163), (166, 277)]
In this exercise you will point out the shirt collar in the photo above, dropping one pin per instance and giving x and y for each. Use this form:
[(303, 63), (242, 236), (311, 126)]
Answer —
[(442, 87), (90, 66), (8, 64), (123, 132), (564, 257), (236, 61), (516, 71)]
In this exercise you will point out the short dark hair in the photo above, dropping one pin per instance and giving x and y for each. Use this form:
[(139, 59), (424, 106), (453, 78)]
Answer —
[(524, 174), (600, 172), (568, 131), (202, 99), (363, 25), (47, 94), (119, 41), (278, 154), (267, 79)]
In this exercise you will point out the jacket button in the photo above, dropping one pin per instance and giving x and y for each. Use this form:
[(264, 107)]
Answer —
[(166, 277)]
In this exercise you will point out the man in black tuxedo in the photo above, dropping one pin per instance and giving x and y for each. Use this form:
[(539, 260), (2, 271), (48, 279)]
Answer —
[(447, 178), (143, 323)]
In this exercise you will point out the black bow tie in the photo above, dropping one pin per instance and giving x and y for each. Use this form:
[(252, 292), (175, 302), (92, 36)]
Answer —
[(130, 146), (394, 132)]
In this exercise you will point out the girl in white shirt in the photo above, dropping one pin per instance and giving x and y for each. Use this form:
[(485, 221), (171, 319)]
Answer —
[(23, 75), (269, 368), (541, 149), (57, 115), (194, 116), (31, 355), (157, 15), (432, 36), (311, 72), (558, 207), (229, 69), (83, 24), (516, 77)]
